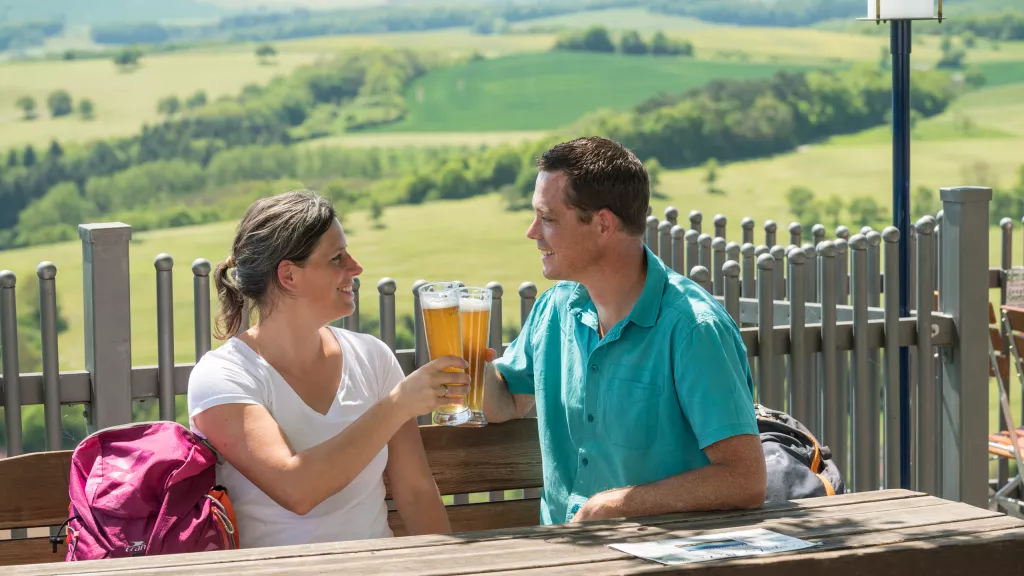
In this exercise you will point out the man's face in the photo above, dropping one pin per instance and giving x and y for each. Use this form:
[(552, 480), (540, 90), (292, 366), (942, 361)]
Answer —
[(569, 248)]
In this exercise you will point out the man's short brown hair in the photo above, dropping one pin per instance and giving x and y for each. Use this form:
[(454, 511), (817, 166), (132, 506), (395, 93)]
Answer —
[(602, 174)]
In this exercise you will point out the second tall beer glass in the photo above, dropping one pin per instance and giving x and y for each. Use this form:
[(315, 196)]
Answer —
[(439, 302), (475, 312)]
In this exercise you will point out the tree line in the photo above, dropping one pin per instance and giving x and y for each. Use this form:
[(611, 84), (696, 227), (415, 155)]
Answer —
[(599, 39)]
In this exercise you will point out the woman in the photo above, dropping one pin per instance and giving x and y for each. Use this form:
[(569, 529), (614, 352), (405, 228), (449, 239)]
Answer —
[(308, 417)]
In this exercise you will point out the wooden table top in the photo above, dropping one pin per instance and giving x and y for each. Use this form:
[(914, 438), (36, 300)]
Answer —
[(875, 533)]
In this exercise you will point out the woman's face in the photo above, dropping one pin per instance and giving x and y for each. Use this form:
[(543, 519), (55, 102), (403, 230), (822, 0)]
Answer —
[(325, 284)]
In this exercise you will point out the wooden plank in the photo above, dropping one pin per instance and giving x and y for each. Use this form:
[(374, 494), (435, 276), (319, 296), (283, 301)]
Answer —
[(557, 552), (897, 499), (484, 516), (30, 551), (496, 457), (786, 563), (34, 489), (571, 546)]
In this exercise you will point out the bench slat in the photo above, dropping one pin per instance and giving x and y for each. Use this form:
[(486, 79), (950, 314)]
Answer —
[(34, 489), (483, 516), (496, 457)]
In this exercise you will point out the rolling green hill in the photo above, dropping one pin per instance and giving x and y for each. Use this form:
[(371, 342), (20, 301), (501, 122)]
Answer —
[(548, 90)]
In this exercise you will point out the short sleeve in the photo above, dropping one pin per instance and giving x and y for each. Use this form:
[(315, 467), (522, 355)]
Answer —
[(215, 381), (516, 364), (713, 382), (389, 371)]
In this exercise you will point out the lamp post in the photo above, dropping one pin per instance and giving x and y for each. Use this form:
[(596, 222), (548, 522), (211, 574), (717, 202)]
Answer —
[(900, 14)]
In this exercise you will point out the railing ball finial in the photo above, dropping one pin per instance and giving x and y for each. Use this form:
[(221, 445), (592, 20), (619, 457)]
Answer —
[(704, 240), (770, 226), (671, 213), (678, 231), (387, 287), (7, 279), (843, 232), (720, 220), (874, 238), (747, 223), (664, 227), (891, 234), (827, 249), (796, 256), (696, 216), (496, 290), (731, 269), (818, 230), (747, 249), (1006, 223), (926, 225), (766, 262), (201, 267), (796, 228), (700, 275), (841, 244), (718, 243), (527, 290), (858, 242), (46, 270), (163, 262), (356, 283)]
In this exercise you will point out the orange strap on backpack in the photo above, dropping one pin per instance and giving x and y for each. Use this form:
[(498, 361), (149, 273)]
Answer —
[(225, 514)]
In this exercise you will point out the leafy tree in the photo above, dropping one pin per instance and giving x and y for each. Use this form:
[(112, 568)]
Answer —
[(27, 104), (59, 102), (86, 109), (865, 211), (265, 52), (12, 158), (803, 207), (632, 43), (376, 214), (711, 176), (597, 39), (654, 170), (127, 59), (28, 158), (832, 206), (55, 151), (924, 202), (659, 43), (197, 100), (169, 106)]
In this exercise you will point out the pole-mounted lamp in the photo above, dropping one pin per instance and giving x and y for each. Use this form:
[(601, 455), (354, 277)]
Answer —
[(899, 14)]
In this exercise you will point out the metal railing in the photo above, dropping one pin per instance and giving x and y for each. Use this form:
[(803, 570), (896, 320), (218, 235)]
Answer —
[(822, 342)]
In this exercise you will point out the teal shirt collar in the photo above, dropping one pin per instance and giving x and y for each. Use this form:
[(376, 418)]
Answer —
[(645, 310)]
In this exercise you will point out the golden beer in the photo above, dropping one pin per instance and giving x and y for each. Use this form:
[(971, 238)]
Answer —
[(439, 303), (475, 309)]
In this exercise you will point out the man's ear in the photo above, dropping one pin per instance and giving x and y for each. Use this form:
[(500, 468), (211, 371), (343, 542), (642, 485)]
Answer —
[(607, 222)]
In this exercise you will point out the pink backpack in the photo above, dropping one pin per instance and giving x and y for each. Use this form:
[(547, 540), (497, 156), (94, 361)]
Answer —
[(145, 489)]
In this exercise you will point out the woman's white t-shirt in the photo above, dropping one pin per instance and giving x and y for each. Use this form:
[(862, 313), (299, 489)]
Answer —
[(235, 373)]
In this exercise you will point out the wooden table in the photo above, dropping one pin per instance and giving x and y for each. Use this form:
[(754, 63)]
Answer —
[(874, 533)]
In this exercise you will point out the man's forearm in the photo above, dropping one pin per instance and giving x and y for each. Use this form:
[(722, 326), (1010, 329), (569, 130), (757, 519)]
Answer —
[(712, 487)]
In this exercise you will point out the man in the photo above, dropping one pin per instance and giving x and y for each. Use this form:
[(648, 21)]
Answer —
[(640, 378)]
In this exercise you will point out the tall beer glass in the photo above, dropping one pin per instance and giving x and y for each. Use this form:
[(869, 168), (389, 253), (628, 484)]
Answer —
[(439, 303), (475, 310)]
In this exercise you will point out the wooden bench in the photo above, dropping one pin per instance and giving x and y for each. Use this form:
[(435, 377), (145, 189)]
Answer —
[(34, 487)]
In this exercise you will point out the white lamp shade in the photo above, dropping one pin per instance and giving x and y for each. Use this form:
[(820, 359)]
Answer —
[(897, 9)]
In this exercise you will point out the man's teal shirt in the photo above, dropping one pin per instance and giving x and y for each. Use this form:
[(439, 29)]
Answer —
[(640, 404)]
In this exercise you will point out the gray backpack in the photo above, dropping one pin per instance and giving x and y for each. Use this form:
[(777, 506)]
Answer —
[(798, 467)]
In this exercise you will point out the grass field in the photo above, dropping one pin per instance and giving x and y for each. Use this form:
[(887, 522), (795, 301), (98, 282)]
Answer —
[(617, 19), (123, 101), (402, 139), (545, 91)]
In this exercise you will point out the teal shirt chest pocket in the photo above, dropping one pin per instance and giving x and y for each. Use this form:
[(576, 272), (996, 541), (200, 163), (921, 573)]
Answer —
[(631, 398)]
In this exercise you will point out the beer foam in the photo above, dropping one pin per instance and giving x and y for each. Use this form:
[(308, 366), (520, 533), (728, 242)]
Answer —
[(474, 305), (439, 303)]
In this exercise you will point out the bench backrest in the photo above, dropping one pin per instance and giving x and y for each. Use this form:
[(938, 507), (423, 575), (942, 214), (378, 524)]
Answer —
[(34, 487)]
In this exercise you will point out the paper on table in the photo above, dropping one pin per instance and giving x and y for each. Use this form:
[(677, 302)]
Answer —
[(714, 546)]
